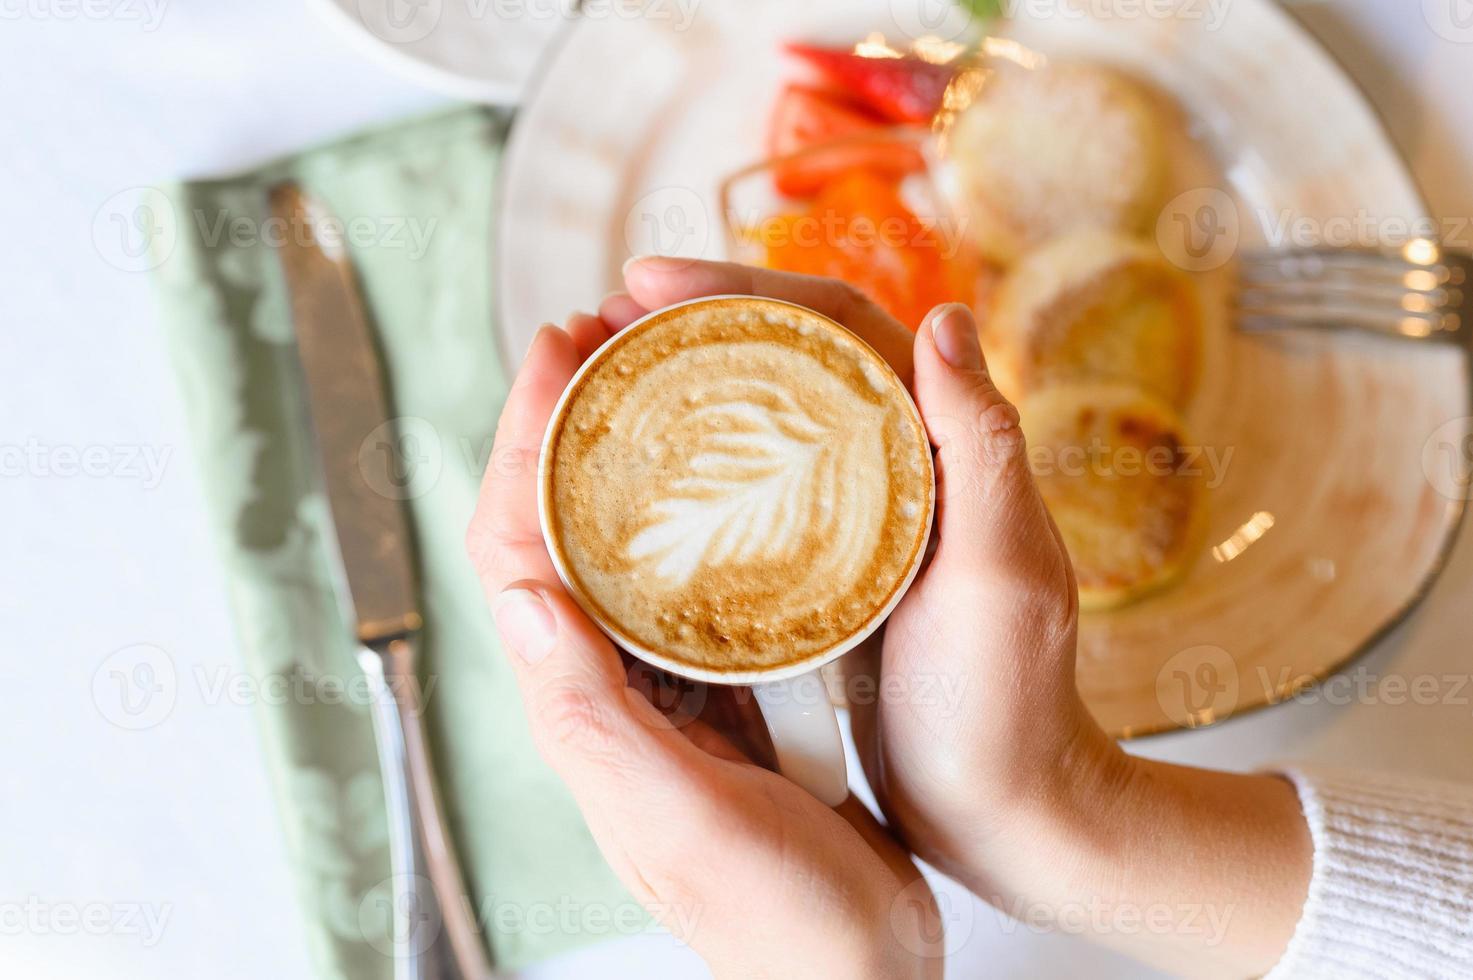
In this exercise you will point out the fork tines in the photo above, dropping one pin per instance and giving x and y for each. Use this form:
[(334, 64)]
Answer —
[(1421, 291)]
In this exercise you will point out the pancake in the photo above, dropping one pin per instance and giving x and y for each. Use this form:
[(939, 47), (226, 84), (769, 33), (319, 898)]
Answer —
[(1042, 152), (1125, 491), (1097, 305)]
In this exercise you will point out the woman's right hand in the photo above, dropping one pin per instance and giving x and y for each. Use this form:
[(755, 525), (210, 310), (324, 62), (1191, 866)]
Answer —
[(1006, 781), (979, 746)]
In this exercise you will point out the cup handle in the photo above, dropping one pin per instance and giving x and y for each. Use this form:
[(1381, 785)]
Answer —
[(805, 732)]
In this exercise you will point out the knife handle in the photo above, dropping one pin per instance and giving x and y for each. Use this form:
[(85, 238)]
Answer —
[(435, 935)]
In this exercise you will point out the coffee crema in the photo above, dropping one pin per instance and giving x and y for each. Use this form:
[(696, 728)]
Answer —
[(737, 485)]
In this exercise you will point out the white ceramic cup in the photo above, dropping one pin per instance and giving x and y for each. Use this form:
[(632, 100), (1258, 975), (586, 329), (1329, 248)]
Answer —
[(795, 704)]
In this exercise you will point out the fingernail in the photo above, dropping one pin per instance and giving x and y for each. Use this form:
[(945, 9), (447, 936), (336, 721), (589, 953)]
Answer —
[(526, 624), (955, 332), (536, 339), (658, 263)]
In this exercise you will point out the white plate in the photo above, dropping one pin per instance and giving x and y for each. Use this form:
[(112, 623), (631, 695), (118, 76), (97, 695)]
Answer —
[(481, 50), (1328, 526)]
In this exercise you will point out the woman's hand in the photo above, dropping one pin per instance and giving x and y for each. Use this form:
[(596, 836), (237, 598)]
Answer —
[(756, 875), (979, 748)]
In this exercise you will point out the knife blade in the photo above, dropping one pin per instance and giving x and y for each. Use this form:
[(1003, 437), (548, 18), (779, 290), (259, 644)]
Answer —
[(348, 401)]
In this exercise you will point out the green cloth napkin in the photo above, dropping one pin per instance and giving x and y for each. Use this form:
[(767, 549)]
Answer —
[(416, 203)]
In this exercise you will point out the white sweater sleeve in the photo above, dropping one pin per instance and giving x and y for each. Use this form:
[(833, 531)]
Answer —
[(1391, 894)]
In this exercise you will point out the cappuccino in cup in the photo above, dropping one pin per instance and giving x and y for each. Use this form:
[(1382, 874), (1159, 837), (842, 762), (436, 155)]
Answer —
[(736, 488)]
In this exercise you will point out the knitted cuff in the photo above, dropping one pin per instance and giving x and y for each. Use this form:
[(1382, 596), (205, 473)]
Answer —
[(1392, 890)]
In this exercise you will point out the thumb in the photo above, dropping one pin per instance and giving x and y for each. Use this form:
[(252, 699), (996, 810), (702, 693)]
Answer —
[(993, 525)]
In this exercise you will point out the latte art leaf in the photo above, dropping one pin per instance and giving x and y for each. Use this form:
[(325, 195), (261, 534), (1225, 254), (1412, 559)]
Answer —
[(752, 492)]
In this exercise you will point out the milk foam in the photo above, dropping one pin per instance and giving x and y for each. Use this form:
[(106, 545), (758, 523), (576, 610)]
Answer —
[(739, 491), (763, 478)]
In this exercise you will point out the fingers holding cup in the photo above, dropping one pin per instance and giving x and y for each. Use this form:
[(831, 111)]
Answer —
[(504, 540)]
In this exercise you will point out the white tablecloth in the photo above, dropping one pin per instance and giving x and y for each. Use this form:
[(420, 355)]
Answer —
[(157, 853)]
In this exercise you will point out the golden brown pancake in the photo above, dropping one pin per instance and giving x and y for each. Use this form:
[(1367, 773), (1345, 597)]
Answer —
[(1097, 305), (1127, 495)]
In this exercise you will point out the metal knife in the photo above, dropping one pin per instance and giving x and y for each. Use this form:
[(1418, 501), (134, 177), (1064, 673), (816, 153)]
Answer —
[(435, 936)]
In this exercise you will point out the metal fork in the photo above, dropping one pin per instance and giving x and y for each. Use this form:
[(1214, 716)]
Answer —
[(1422, 291)]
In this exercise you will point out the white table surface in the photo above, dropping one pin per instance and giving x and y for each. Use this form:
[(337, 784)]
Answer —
[(157, 853)]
